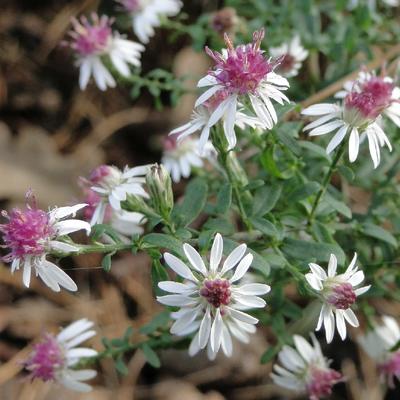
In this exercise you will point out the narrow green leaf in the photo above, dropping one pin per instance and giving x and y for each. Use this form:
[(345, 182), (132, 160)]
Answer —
[(264, 226), (314, 148), (269, 354), (120, 366), (159, 321), (346, 172), (150, 355), (158, 274), (224, 199), (379, 233), (106, 262), (304, 191), (265, 199), (163, 241), (337, 205)]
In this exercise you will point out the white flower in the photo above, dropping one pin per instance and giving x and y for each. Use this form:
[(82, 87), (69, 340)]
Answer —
[(291, 55), (338, 293), (378, 344), (180, 157), (242, 73), (305, 369), (353, 119), (113, 186), (94, 42), (382, 86), (200, 122), (55, 357), (211, 300), (352, 4), (31, 234), (146, 14)]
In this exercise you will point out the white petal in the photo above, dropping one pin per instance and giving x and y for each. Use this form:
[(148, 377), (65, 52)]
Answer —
[(179, 267), (216, 332), (62, 212), (256, 289), (81, 352), (304, 348), (176, 300), (205, 328), (341, 326), (233, 258), (63, 247), (320, 109), (337, 139), (226, 342), (351, 317), (318, 271), (216, 252), (354, 144), (313, 281), (357, 278), (241, 316), (74, 329), (71, 225), (332, 266), (329, 324), (26, 276), (362, 290), (242, 268), (175, 287), (194, 258)]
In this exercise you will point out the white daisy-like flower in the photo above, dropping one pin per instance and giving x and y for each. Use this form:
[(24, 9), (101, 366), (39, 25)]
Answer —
[(94, 42), (305, 369), (359, 114), (31, 234), (54, 358), (291, 55), (352, 4), (381, 86), (242, 73), (180, 157), (200, 122), (146, 14), (339, 293), (379, 344), (113, 186), (211, 300)]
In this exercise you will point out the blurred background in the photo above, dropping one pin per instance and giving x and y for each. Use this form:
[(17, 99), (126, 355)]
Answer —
[(51, 133)]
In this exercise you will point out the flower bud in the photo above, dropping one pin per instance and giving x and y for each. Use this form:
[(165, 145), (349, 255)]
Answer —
[(159, 185)]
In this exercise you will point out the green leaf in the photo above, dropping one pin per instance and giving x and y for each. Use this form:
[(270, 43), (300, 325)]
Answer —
[(264, 226), (101, 229), (193, 203), (304, 191), (158, 274), (163, 241), (307, 251), (337, 205), (379, 233), (221, 225), (320, 151), (346, 172), (259, 262), (150, 355), (120, 366), (265, 199), (159, 321), (224, 199), (269, 354), (286, 133), (106, 262)]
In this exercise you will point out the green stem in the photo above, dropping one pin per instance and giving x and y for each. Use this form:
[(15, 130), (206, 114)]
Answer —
[(326, 181), (102, 248)]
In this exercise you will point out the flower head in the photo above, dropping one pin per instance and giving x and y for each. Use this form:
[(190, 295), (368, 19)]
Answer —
[(54, 357), (31, 234), (211, 299), (113, 186), (224, 20), (378, 344), (146, 14), (339, 293), (93, 41), (291, 56), (304, 368), (242, 72)]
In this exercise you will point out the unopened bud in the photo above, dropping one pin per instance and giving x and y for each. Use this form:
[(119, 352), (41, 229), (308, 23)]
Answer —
[(159, 185)]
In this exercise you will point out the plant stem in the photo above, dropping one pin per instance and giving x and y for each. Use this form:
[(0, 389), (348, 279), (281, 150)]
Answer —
[(326, 181), (102, 248)]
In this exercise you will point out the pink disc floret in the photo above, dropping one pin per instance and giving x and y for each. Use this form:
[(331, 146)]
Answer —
[(91, 37), (217, 292), (321, 383), (243, 68), (391, 368), (131, 5), (342, 296), (47, 357), (27, 232), (99, 173), (287, 62)]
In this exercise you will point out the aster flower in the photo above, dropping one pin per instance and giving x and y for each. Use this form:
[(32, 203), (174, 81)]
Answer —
[(126, 223), (180, 158), (305, 369), (201, 122), (113, 186), (382, 87), (378, 344), (146, 14), (211, 300), (94, 42), (243, 73), (291, 55), (339, 293), (54, 358), (359, 114), (31, 234)]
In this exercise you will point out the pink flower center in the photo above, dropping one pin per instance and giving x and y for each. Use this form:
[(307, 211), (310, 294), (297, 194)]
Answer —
[(243, 68), (26, 232), (391, 368), (99, 173), (131, 5), (342, 296), (217, 292), (321, 382), (170, 143), (380, 90), (45, 359), (286, 63), (90, 38)]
